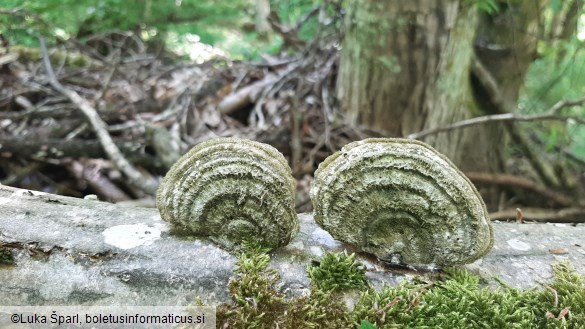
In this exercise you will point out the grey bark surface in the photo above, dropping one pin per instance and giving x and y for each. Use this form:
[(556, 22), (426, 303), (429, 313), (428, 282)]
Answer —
[(71, 251)]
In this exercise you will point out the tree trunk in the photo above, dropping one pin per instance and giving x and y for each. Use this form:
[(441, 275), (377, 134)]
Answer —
[(405, 67), (262, 12), (412, 75)]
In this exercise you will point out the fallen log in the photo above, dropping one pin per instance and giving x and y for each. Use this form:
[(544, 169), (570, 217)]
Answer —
[(68, 251)]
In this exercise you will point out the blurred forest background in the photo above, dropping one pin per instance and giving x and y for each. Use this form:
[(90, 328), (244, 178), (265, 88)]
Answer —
[(101, 97)]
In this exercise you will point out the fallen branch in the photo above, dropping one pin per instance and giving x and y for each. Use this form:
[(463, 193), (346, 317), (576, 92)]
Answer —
[(507, 117), (566, 215), (135, 177), (244, 96), (57, 148), (8, 58), (91, 172), (558, 198)]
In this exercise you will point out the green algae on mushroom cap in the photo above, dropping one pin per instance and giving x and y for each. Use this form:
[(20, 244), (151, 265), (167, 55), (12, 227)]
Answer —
[(230, 189), (402, 201)]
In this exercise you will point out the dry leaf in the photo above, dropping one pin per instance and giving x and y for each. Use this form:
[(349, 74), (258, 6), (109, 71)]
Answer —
[(559, 251), (564, 312), (519, 216)]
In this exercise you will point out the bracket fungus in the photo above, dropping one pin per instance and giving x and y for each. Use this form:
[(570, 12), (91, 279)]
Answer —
[(230, 189), (402, 201)]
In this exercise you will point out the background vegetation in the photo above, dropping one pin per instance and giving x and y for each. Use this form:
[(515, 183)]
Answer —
[(306, 35), (228, 25), (185, 26)]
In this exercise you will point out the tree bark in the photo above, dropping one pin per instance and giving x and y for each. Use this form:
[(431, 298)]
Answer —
[(262, 12), (406, 67), (68, 251)]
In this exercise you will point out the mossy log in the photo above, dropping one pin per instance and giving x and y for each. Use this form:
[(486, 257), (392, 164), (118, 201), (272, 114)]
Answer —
[(68, 251)]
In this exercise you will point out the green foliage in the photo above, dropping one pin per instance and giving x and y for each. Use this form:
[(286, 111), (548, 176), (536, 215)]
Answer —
[(366, 325), (488, 6), (558, 74), (337, 272), (32, 18), (455, 301), (555, 5), (226, 25), (217, 23)]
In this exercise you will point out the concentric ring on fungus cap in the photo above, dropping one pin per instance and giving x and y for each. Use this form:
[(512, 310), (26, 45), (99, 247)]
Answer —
[(229, 189), (402, 201)]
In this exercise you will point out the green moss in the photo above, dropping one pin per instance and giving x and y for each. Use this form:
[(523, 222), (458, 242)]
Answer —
[(457, 301), (454, 300), (257, 301), (6, 256), (323, 309), (337, 272)]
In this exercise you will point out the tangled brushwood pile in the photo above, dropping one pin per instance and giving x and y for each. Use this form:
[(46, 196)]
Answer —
[(59, 130)]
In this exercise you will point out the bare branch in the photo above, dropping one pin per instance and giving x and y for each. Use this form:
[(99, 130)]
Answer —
[(520, 182), (565, 103), (508, 117), (566, 215)]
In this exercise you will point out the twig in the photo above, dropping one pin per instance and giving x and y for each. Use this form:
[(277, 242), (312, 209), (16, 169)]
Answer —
[(109, 77), (516, 136), (565, 103), (91, 172), (244, 96), (289, 35), (327, 116), (520, 182), (491, 88), (556, 303), (519, 216), (296, 120), (58, 148), (256, 116), (507, 117), (306, 17), (81, 128), (136, 178), (566, 215)]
